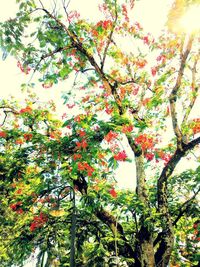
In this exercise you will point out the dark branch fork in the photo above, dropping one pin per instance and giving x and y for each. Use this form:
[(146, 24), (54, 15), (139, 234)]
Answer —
[(6, 110)]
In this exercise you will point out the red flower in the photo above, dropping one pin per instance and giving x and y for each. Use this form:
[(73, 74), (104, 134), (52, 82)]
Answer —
[(28, 136), (110, 136), (19, 191), (153, 71), (141, 63), (113, 193), (84, 166), (82, 133), (19, 211), (70, 106), (146, 101), (146, 40), (106, 24), (95, 33), (78, 118), (135, 90), (38, 221), (77, 156), (121, 156), (149, 156), (161, 58), (26, 110), (196, 126), (195, 225), (109, 110), (81, 166), (33, 226), (164, 156), (82, 144), (19, 141), (127, 128), (73, 15), (3, 134), (15, 206), (144, 141), (90, 171)]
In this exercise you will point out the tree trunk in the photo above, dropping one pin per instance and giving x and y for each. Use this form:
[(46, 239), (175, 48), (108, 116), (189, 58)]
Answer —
[(145, 241)]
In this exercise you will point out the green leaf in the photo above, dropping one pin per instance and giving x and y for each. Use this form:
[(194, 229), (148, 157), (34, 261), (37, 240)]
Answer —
[(64, 72)]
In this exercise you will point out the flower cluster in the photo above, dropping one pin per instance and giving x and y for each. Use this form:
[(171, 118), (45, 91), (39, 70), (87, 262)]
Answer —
[(77, 156), (83, 144), (105, 24), (113, 193), (19, 141), (153, 71), (144, 141), (26, 110), (17, 207), (84, 166), (28, 136), (149, 156), (38, 221), (127, 128), (120, 156), (70, 106), (110, 136), (81, 133), (163, 155), (196, 126), (3, 134)]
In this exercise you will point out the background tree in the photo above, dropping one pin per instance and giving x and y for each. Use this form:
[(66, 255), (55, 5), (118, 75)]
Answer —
[(123, 98)]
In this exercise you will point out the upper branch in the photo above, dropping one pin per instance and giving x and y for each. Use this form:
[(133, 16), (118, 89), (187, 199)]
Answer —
[(173, 95), (79, 46), (195, 89), (110, 36), (169, 168)]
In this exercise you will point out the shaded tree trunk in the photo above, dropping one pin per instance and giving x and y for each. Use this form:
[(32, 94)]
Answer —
[(144, 247)]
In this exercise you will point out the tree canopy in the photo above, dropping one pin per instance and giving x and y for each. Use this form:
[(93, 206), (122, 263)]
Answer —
[(141, 98)]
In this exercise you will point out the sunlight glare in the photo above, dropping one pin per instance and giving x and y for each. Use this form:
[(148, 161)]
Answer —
[(190, 21)]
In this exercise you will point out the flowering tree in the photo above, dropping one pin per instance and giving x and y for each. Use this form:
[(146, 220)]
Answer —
[(143, 97)]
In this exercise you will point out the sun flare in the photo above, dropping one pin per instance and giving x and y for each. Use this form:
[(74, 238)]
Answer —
[(190, 22)]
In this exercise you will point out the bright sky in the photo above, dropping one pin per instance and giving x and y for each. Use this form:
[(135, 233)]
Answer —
[(150, 13)]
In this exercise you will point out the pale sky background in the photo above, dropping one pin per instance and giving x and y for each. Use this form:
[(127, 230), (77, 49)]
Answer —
[(150, 13)]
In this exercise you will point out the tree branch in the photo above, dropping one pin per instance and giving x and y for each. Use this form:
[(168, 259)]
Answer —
[(6, 110), (110, 37), (181, 210), (79, 46), (164, 250), (195, 89), (184, 207), (173, 95)]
